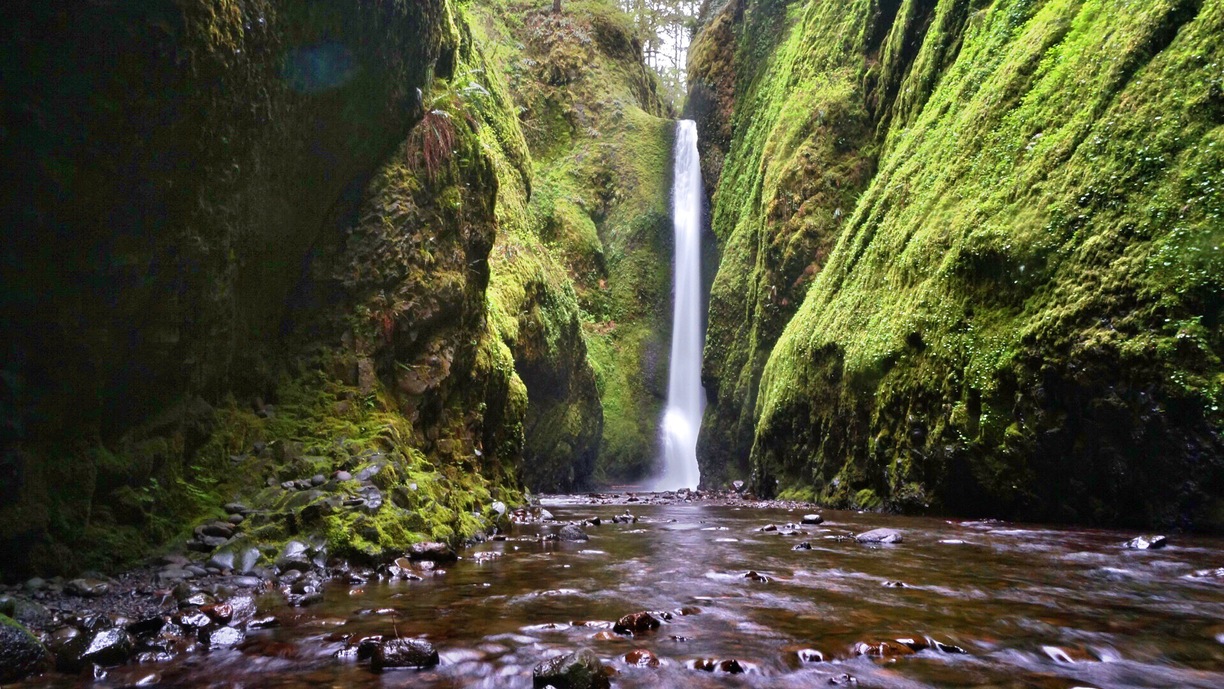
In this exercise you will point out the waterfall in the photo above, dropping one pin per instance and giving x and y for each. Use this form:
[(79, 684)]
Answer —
[(685, 396)]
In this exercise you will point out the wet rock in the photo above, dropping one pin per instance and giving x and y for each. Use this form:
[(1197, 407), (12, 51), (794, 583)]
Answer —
[(87, 588), (879, 536), (403, 653), (146, 626), (222, 560), (844, 680), (192, 619), (813, 519), (236, 519), (636, 623), (807, 656), (738, 486), (881, 649), (581, 669), (294, 556), (1146, 543), (220, 636), (803, 546), (263, 622), (768, 528), (729, 666), (641, 657), (571, 532), (106, 647), (25, 611), (318, 480), (221, 613), (236, 508), (896, 585), (21, 654), (343, 476), (218, 529), (431, 551), (757, 576)]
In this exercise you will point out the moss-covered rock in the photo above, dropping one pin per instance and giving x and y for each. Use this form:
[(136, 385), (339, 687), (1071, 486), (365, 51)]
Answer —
[(21, 654), (1019, 316)]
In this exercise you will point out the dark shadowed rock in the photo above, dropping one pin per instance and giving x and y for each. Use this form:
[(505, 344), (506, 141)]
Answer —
[(403, 653), (21, 654), (87, 588), (879, 536), (570, 532), (578, 670), (1146, 543), (432, 551), (105, 647), (636, 623)]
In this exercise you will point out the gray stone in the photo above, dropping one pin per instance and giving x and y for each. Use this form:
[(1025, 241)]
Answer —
[(296, 556), (578, 670), (343, 476), (879, 536), (318, 480), (432, 552), (813, 519), (221, 637), (87, 588)]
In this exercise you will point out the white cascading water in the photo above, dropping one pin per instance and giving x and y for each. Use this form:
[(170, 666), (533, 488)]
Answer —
[(685, 396)]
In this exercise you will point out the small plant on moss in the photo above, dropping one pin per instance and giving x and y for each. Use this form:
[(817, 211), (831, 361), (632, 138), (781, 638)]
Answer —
[(432, 142)]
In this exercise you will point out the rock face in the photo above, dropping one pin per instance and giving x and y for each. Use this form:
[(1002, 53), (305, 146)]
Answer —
[(581, 669), (897, 323), (169, 264), (20, 653)]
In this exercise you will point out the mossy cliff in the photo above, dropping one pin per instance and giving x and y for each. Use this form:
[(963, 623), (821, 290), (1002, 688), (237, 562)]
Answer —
[(229, 262), (1012, 306), (581, 268), (263, 242)]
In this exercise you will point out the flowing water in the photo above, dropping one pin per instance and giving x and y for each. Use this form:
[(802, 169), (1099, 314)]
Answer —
[(1030, 607), (685, 396)]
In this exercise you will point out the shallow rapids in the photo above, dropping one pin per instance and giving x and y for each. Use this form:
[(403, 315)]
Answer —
[(1029, 606)]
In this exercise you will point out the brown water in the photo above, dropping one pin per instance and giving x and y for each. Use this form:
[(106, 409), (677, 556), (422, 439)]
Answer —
[(1031, 606)]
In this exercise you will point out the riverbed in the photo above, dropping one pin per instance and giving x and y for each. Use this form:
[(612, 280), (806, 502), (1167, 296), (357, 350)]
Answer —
[(954, 604)]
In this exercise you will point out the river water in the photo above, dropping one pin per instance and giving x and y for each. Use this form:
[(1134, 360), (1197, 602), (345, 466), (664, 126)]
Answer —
[(1030, 607)]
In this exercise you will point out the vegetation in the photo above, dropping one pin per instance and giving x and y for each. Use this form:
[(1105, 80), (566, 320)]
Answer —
[(1012, 307)]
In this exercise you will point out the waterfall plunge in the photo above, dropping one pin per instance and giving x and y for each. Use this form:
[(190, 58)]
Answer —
[(685, 396)]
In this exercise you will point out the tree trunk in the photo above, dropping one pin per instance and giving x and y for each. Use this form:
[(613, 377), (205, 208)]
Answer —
[(556, 5)]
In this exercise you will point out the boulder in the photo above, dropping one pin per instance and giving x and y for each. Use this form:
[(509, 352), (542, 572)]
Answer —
[(1146, 543), (813, 519), (431, 551), (21, 654), (879, 536), (578, 670), (403, 653), (570, 532), (105, 647), (220, 636), (636, 623), (642, 657), (87, 588)]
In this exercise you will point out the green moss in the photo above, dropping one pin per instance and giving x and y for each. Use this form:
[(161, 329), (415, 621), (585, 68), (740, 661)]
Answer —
[(1008, 323), (579, 269)]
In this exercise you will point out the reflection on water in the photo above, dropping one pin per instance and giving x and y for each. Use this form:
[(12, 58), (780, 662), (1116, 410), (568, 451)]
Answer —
[(1031, 607)]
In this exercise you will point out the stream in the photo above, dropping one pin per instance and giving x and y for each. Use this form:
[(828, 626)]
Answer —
[(1029, 606)]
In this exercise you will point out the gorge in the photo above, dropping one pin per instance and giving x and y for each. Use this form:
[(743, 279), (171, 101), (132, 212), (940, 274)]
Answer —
[(295, 287)]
